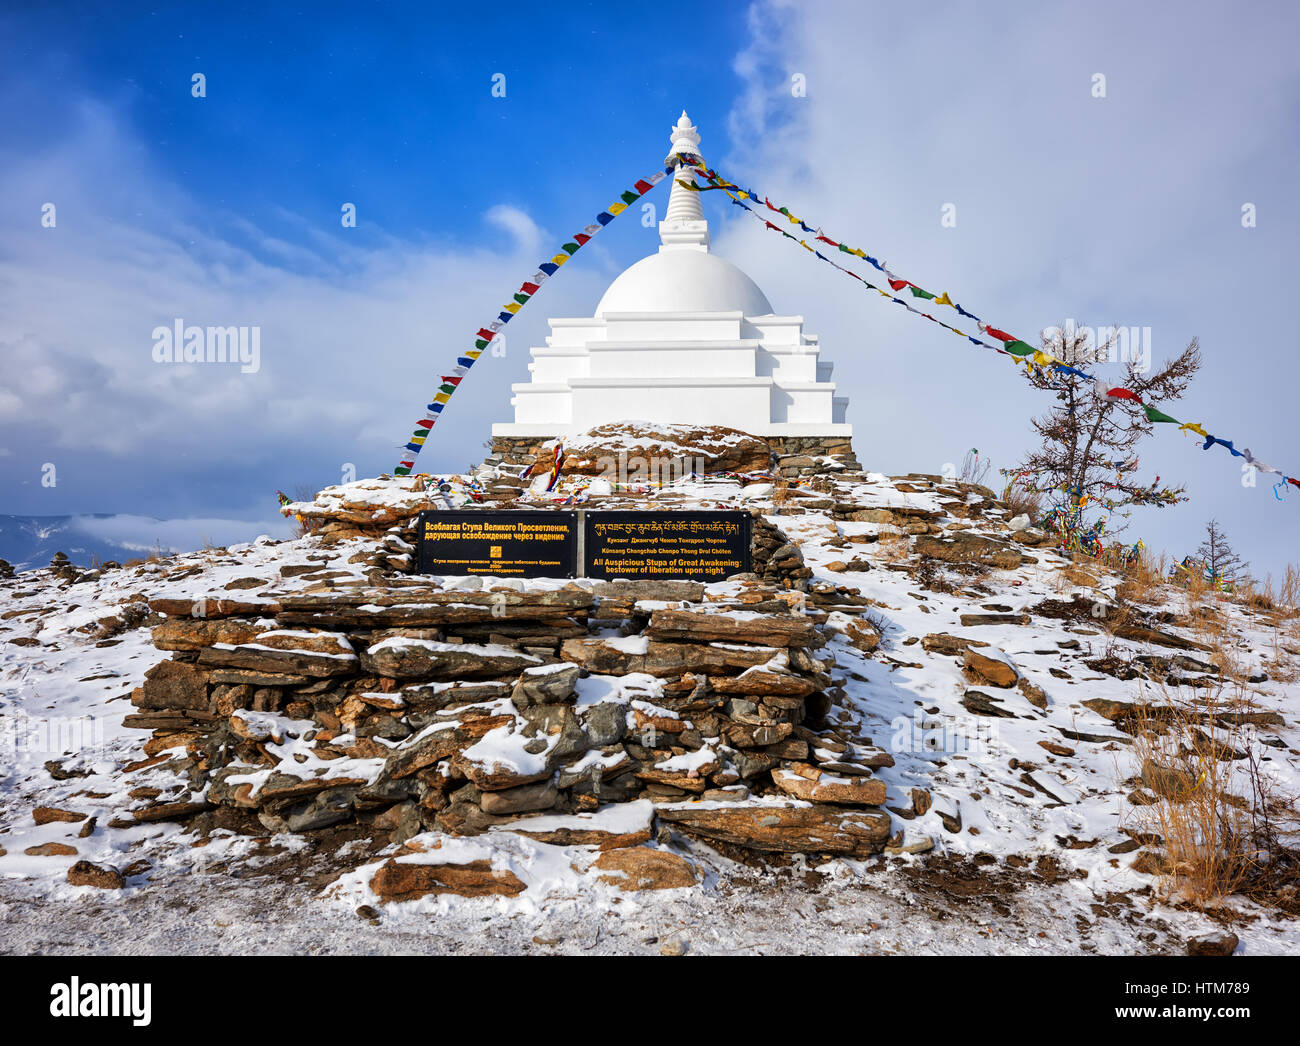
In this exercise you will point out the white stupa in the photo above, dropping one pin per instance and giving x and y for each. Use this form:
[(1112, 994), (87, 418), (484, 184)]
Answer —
[(681, 337)]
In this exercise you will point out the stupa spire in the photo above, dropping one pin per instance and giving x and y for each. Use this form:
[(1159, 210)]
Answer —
[(683, 225)]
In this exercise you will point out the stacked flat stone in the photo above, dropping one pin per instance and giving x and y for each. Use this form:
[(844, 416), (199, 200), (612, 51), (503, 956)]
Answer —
[(460, 709)]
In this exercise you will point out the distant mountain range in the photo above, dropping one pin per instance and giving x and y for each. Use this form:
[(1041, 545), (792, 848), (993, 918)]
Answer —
[(29, 542)]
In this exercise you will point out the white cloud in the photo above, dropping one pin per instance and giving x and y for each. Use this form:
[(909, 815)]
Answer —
[(1123, 210), (356, 328), (528, 236), (144, 534), (10, 404)]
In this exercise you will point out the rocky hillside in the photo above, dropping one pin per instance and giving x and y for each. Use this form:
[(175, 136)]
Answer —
[(907, 677)]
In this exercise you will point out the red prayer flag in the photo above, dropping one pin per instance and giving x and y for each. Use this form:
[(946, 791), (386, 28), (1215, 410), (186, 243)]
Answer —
[(1124, 394), (898, 285), (1000, 335)]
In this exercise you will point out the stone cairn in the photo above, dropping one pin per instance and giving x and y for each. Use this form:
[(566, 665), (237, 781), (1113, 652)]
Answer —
[(409, 706)]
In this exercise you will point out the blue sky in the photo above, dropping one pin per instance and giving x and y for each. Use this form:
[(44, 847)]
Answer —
[(225, 210), (386, 105)]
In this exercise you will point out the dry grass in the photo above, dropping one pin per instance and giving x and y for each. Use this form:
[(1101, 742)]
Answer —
[(893, 548), (156, 555), (1145, 580), (1283, 663), (781, 495), (974, 469), (1279, 599), (1080, 572), (1210, 623), (1288, 591), (1225, 825), (1083, 572), (1275, 605), (303, 526), (1021, 502), (1222, 820), (1202, 824)]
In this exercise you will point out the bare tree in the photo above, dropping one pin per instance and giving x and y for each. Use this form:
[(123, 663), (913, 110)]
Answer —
[(973, 469), (1090, 440), (1219, 556)]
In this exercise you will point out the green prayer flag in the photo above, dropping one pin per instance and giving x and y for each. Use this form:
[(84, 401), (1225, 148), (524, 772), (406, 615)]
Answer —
[(1017, 348), (1155, 415), (918, 293)]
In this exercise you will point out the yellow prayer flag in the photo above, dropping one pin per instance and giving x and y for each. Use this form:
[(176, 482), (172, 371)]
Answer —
[(513, 307), (943, 299), (441, 397), (617, 208)]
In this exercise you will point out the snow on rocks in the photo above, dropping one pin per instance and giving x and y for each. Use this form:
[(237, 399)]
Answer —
[(405, 657), (902, 673), (432, 705), (988, 664)]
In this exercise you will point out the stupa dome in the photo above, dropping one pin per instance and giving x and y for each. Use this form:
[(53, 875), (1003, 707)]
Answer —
[(684, 281)]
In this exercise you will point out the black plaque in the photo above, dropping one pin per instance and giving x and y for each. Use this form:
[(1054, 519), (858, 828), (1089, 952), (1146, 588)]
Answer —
[(506, 544), (700, 546)]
